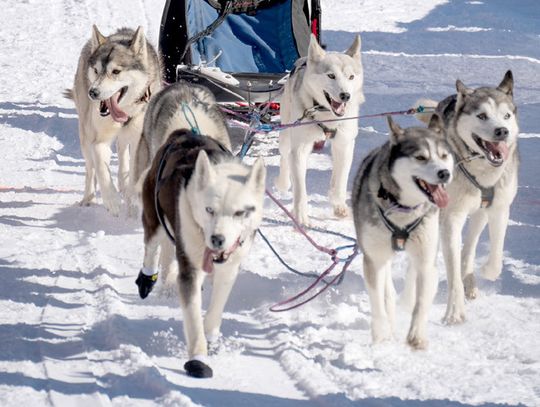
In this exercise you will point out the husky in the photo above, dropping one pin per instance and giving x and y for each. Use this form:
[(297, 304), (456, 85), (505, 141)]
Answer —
[(179, 106), (116, 76), (482, 130), (396, 197), (323, 86), (210, 205)]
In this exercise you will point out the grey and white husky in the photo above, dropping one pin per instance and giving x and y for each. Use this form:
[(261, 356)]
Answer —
[(323, 86), (206, 200), (116, 76), (396, 197), (482, 129)]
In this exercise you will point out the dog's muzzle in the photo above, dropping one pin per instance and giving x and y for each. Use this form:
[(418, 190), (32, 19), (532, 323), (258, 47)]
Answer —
[(212, 256)]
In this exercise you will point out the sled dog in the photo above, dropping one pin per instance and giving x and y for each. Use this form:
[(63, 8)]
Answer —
[(179, 106), (116, 76), (482, 130), (396, 197), (322, 86), (211, 204)]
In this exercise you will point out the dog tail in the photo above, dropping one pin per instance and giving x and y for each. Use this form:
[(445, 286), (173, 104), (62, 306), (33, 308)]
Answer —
[(68, 94), (426, 104)]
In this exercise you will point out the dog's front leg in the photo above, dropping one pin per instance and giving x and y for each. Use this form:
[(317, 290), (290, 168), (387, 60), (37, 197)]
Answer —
[(375, 275), (122, 146), (90, 176), (283, 180), (477, 222), (223, 281), (299, 157), (497, 223), (190, 283), (422, 255), (342, 156), (102, 157), (451, 227)]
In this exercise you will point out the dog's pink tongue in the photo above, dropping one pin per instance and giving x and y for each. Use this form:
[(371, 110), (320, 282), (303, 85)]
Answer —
[(338, 107), (117, 114), (498, 148), (439, 194), (208, 261)]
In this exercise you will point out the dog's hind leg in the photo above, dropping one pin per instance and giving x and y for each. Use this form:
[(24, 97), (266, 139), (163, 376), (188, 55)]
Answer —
[(283, 181), (477, 223), (342, 156), (497, 223), (90, 176), (223, 281), (451, 228), (102, 156), (375, 277)]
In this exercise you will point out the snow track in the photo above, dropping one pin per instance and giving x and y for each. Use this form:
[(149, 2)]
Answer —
[(73, 329)]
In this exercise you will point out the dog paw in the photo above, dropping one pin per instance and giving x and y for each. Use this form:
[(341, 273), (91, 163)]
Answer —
[(454, 317), (381, 333), (198, 369), (469, 283), (88, 200), (112, 204), (145, 283), (417, 342), (341, 211), (282, 185), (491, 271)]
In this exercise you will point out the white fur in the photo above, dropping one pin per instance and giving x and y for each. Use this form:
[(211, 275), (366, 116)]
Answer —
[(295, 144)]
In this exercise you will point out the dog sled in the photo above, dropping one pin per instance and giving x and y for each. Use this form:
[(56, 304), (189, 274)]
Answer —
[(242, 50)]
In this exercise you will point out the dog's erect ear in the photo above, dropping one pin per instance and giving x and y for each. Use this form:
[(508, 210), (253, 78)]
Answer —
[(436, 124), (396, 132), (354, 50), (507, 84), (138, 42), (315, 51), (204, 173), (257, 176), (97, 38), (462, 89)]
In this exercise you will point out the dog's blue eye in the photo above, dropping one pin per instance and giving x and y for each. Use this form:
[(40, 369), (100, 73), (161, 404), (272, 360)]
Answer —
[(482, 116), (507, 116), (331, 76), (209, 210)]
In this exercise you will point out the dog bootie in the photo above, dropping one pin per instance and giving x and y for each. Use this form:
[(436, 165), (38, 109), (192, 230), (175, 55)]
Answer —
[(198, 369), (145, 283)]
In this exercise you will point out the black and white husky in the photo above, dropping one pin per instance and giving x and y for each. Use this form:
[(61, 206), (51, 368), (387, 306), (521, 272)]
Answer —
[(482, 130), (197, 195), (396, 197)]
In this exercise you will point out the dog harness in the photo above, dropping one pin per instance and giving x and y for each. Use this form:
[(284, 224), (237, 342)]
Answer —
[(395, 205), (399, 235)]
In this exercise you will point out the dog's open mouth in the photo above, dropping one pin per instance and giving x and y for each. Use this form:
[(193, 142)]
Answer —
[(495, 151), (435, 192), (217, 256), (111, 106), (337, 107)]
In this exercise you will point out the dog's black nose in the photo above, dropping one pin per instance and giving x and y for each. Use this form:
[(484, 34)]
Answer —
[(217, 241), (344, 96), (501, 133), (444, 175), (93, 93)]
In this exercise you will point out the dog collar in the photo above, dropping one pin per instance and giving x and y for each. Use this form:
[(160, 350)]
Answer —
[(395, 205)]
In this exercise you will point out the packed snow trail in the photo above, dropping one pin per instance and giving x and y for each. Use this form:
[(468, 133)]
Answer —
[(73, 329)]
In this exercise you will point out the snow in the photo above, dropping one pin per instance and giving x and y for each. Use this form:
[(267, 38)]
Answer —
[(75, 333)]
